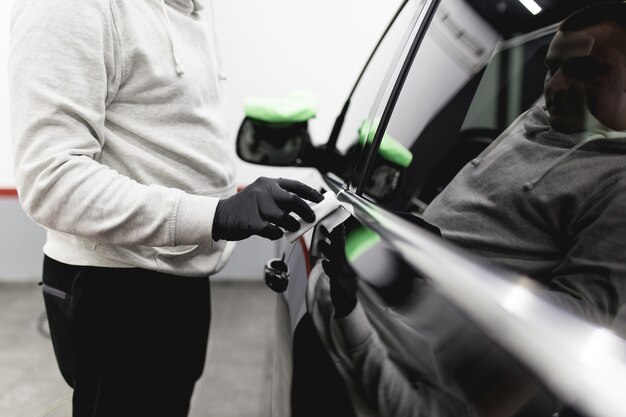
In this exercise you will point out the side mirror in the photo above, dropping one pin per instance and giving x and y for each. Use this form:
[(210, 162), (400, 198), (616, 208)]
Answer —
[(275, 130), (275, 144), (389, 166), (384, 181)]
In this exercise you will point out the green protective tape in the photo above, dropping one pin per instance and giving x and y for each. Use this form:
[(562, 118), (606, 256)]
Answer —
[(359, 241), (296, 107), (390, 149)]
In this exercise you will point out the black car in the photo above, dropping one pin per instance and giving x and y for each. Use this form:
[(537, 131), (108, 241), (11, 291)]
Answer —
[(465, 327)]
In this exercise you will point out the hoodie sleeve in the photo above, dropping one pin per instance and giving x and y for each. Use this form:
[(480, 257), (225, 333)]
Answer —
[(65, 65), (377, 386), (591, 280), (391, 393)]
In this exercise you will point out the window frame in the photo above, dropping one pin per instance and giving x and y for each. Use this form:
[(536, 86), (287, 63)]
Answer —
[(392, 90)]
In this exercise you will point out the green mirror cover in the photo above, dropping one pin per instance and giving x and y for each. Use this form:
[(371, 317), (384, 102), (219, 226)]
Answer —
[(298, 106), (390, 149)]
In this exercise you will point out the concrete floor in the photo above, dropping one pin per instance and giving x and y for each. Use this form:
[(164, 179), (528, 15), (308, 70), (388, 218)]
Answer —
[(236, 379)]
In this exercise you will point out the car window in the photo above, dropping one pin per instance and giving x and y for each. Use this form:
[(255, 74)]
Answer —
[(511, 141), (452, 57), (470, 79), (508, 138), (508, 135), (364, 98)]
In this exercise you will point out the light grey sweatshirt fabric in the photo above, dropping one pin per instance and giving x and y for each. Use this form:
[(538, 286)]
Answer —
[(119, 142), (547, 205)]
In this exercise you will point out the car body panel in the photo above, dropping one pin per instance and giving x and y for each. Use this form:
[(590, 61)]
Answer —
[(412, 282)]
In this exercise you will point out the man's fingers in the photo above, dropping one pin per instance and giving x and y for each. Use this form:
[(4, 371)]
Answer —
[(288, 223), (300, 189), (338, 234), (283, 220), (325, 249), (293, 203), (271, 212), (269, 231), (327, 266)]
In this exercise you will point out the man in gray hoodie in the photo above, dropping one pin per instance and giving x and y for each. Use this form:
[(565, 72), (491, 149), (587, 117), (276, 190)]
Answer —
[(546, 200), (121, 154)]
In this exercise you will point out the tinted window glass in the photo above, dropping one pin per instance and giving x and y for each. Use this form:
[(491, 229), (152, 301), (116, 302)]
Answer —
[(513, 144), (366, 94), (432, 106), (467, 83)]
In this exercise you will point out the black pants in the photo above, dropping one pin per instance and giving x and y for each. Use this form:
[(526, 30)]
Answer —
[(131, 342)]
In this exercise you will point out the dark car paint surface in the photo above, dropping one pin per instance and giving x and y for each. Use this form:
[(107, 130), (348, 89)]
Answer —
[(308, 382)]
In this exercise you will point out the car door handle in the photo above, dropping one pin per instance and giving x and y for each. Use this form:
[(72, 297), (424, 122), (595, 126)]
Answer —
[(277, 275)]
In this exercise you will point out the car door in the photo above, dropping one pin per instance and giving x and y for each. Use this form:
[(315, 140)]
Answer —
[(463, 73), (303, 371), (461, 86)]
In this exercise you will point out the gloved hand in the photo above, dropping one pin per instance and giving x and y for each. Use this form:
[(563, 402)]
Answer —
[(343, 284), (262, 207)]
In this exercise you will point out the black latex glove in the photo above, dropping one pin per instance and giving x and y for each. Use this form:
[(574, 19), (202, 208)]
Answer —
[(263, 206), (343, 285)]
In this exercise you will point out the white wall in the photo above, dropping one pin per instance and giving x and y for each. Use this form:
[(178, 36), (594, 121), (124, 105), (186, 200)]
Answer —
[(269, 47), (6, 166), (272, 47)]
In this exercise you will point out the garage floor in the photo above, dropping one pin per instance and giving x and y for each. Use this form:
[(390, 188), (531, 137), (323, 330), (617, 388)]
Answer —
[(236, 379)]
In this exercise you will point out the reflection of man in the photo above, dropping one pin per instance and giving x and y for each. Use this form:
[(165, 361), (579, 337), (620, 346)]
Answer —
[(586, 82), (545, 199)]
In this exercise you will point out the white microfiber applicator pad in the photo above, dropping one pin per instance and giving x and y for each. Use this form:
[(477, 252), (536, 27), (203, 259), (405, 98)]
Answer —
[(323, 209)]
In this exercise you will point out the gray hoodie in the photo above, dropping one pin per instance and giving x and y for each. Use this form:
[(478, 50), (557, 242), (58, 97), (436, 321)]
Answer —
[(119, 143), (548, 205)]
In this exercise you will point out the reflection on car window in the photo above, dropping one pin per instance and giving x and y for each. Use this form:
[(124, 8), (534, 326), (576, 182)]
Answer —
[(517, 145), (512, 142), (366, 91), (435, 97)]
